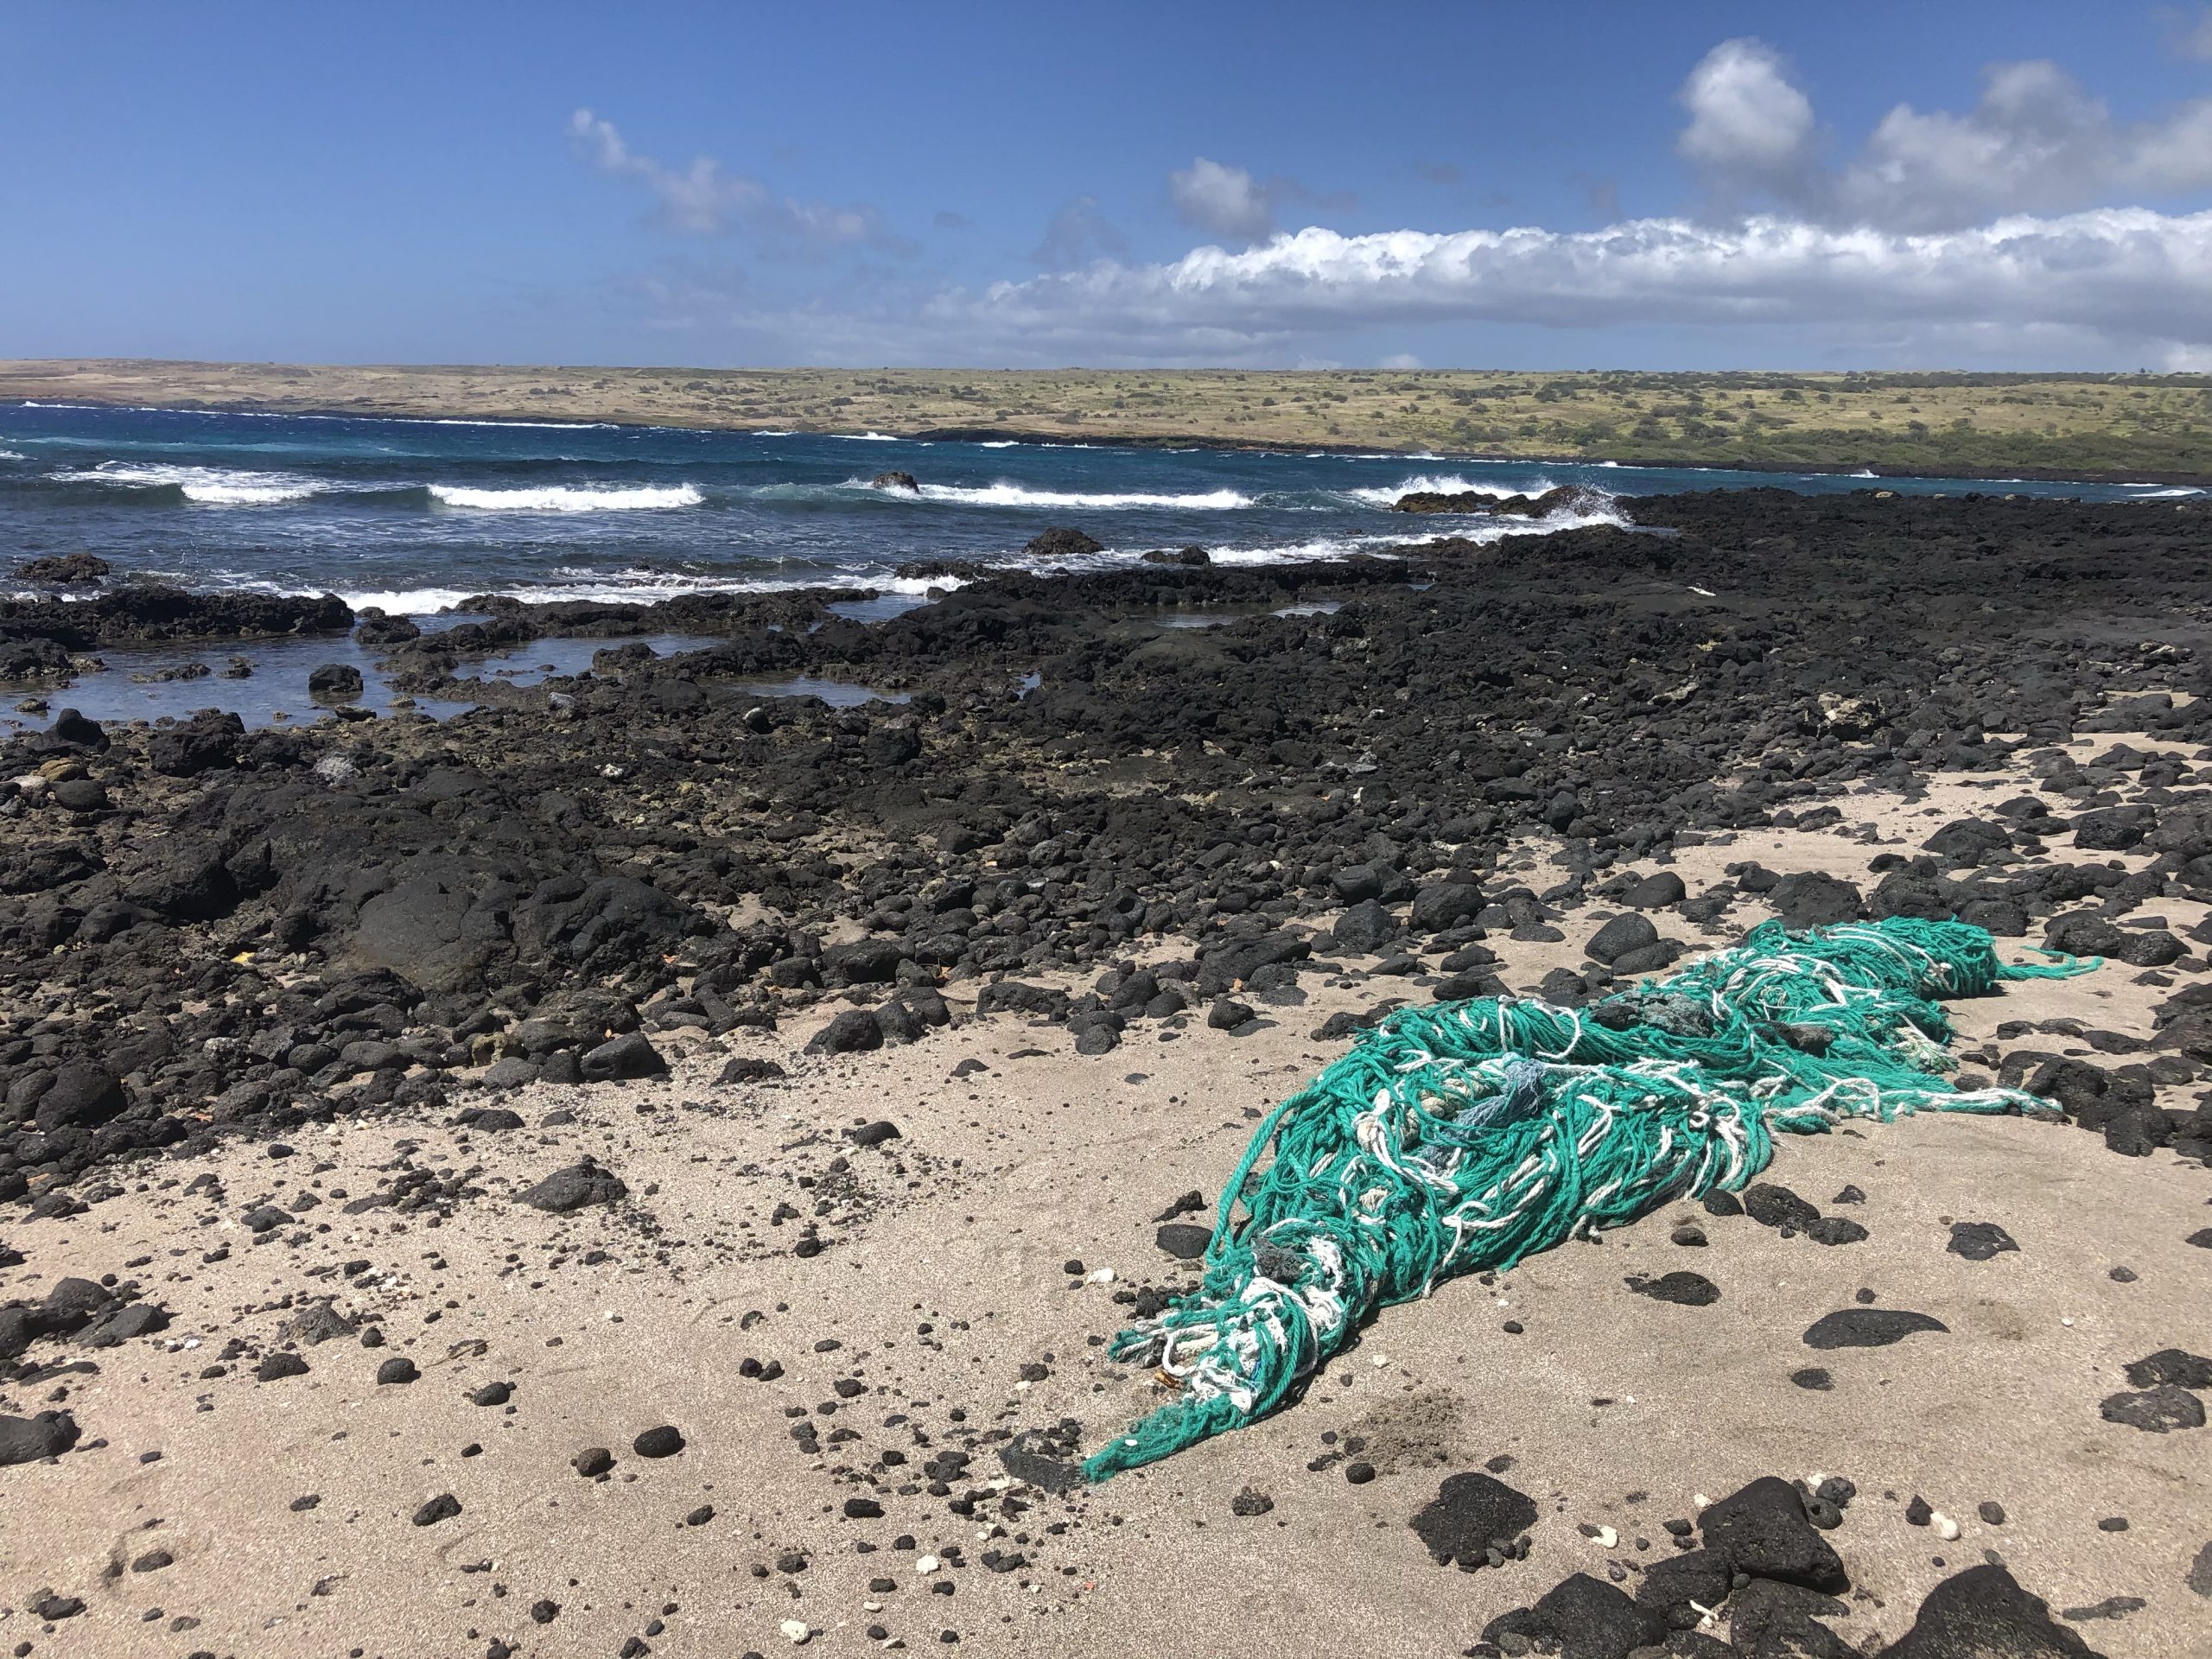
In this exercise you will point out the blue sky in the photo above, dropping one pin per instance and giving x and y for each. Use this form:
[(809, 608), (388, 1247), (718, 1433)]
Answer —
[(1556, 185)]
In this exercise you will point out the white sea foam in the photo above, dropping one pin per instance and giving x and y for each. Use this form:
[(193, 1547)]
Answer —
[(561, 498), (219, 486), (13, 454), (2152, 493), (866, 438), (1021, 495), (1447, 483), (631, 587)]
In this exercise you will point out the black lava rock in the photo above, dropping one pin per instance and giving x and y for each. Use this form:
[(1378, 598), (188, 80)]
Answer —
[(1983, 1611), (1762, 1530), (1977, 1241), (26, 1440), (1868, 1327), (1686, 1289), (571, 1189), (1472, 1517)]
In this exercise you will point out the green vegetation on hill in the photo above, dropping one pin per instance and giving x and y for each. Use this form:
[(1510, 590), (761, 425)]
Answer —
[(2134, 425)]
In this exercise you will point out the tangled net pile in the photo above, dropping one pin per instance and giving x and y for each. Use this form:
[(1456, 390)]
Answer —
[(1471, 1134)]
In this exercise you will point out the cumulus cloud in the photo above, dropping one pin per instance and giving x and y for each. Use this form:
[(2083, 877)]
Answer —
[(2035, 142), (2127, 277), (1224, 201), (1228, 202), (1749, 128), (705, 200)]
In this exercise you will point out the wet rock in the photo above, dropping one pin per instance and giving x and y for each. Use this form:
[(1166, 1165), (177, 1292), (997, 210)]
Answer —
[(1061, 543), (64, 569), (334, 683)]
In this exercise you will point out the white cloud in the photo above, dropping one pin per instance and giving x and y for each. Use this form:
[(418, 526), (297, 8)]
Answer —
[(2131, 278), (1749, 126), (1226, 201), (2034, 142), (1400, 360), (703, 200)]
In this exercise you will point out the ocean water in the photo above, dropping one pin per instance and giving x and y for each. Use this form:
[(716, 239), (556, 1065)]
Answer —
[(416, 515)]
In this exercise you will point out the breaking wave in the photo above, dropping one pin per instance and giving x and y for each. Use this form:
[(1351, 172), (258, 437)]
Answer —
[(561, 498), (1447, 483), (211, 486), (1021, 495)]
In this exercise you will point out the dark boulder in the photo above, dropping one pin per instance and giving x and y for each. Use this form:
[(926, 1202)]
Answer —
[(334, 683), (1472, 1518), (622, 1058), (209, 740), (1583, 1616), (1061, 543), (851, 1032), (26, 1440), (1762, 1530), (575, 1187), (65, 570), (1814, 899), (1618, 937), (81, 1096), (1983, 1613)]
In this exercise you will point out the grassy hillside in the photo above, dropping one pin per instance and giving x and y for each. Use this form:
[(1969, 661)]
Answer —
[(2079, 425)]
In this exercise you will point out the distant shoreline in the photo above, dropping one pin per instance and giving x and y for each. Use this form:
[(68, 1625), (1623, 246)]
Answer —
[(2061, 429)]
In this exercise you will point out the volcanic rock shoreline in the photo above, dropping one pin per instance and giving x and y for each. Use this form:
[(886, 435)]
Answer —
[(251, 928)]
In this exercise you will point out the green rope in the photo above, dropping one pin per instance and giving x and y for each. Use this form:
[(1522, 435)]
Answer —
[(1473, 1134)]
